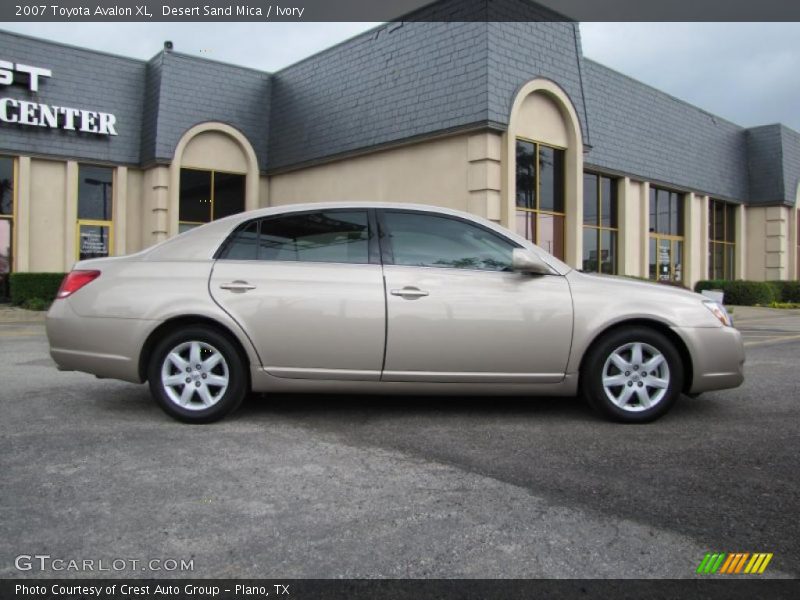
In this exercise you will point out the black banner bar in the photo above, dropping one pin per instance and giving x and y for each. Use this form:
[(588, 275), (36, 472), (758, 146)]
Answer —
[(388, 10), (396, 589)]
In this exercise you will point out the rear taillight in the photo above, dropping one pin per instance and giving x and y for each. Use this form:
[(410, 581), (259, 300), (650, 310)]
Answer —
[(74, 281)]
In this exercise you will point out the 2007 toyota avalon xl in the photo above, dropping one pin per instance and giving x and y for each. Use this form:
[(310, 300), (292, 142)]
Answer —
[(382, 299)]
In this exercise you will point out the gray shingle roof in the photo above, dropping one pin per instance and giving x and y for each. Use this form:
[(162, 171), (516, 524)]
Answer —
[(641, 131)]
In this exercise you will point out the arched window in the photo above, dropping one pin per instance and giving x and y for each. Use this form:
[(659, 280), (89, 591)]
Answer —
[(544, 174)]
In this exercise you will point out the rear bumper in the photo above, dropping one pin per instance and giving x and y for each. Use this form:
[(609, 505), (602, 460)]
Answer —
[(106, 347), (717, 357)]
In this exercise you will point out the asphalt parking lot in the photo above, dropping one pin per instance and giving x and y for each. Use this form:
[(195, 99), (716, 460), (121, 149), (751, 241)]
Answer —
[(397, 487)]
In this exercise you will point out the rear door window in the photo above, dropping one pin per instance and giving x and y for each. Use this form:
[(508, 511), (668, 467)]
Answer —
[(321, 236)]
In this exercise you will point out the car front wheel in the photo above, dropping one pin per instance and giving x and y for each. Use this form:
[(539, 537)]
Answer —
[(632, 375), (196, 375)]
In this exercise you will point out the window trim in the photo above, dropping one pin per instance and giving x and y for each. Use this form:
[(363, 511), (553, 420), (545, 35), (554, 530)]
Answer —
[(373, 252), (655, 235), (387, 252), (725, 243), (537, 211), (95, 222), (12, 218)]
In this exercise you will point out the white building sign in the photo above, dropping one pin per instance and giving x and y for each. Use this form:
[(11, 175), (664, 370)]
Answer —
[(35, 114)]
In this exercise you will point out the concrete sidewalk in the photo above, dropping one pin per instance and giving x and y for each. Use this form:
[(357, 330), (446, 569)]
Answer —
[(14, 314), (756, 313)]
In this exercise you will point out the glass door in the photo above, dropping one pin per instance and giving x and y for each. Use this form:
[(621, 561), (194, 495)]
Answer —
[(666, 259), (6, 259)]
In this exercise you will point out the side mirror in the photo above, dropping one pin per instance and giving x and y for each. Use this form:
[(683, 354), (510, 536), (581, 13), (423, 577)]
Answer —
[(527, 261)]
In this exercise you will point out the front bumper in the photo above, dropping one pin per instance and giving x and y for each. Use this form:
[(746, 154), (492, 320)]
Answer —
[(717, 357)]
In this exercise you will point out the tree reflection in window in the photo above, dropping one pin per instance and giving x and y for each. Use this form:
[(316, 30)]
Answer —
[(426, 240)]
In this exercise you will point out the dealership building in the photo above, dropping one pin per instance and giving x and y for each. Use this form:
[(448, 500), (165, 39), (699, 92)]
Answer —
[(105, 155)]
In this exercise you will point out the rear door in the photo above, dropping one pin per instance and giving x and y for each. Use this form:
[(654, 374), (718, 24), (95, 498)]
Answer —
[(457, 313), (307, 288)]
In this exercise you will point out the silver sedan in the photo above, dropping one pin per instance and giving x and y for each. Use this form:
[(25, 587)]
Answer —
[(382, 299)]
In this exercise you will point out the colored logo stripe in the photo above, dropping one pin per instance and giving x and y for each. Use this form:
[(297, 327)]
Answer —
[(734, 563)]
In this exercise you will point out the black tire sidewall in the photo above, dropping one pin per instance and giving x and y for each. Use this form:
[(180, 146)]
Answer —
[(592, 373), (237, 385)]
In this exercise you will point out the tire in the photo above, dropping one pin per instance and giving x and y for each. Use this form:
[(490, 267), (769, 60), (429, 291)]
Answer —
[(211, 392), (613, 359)]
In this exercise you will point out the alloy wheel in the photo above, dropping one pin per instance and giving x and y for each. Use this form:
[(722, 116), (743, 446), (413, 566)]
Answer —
[(636, 377), (195, 375)]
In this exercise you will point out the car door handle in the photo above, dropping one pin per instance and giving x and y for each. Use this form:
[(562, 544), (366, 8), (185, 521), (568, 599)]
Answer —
[(237, 286), (409, 292)]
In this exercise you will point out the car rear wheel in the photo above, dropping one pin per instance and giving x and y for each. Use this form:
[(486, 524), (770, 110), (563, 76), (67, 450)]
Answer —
[(632, 375), (196, 375)]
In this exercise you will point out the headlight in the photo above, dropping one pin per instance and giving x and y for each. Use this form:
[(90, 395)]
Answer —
[(719, 311)]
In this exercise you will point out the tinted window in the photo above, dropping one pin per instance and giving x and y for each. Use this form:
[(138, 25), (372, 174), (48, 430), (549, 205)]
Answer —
[(6, 186), (424, 240), (228, 194), (551, 173), (195, 196), (328, 236), (526, 174), (244, 245), (95, 193), (590, 199), (608, 202)]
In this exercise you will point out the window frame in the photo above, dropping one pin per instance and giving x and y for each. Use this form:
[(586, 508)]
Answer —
[(94, 222), (674, 239), (537, 192), (598, 225), (213, 173), (373, 250), (12, 217), (387, 252), (726, 244)]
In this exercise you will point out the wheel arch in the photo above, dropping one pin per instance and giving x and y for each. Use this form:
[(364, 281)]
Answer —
[(176, 323), (662, 328)]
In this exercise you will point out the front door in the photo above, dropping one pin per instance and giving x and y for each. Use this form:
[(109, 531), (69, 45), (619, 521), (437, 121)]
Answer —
[(308, 289), (457, 313)]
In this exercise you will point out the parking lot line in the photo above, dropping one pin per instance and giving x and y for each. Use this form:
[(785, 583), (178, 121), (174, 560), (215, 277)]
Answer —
[(773, 340)]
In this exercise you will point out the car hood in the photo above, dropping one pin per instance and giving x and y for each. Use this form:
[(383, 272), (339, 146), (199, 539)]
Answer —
[(608, 299), (638, 286)]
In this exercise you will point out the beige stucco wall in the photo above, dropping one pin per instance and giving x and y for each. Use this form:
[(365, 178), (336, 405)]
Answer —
[(133, 211), (695, 245), (469, 171), (768, 233), (431, 172), (794, 238), (215, 150), (632, 204), (540, 119), (48, 180)]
